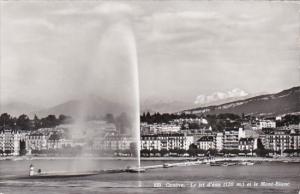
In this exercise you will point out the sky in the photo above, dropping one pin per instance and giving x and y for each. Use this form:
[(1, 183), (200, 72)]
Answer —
[(54, 51)]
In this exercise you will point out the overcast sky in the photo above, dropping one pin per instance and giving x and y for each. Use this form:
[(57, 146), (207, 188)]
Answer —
[(55, 51)]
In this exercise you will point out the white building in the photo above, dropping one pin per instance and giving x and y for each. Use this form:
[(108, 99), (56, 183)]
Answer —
[(160, 128), (206, 143), (166, 141), (231, 139), (36, 141), (114, 142), (10, 141), (267, 124), (248, 144), (219, 141)]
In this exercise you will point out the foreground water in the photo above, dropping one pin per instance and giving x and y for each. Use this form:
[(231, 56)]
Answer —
[(266, 177)]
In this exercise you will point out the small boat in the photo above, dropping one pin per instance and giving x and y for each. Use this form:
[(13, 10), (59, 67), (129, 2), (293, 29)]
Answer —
[(229, 164), (247, 163), (215, 164), (166, 165), (135, 170)]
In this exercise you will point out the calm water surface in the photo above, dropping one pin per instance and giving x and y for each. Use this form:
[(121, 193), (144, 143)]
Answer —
[(201, 179)]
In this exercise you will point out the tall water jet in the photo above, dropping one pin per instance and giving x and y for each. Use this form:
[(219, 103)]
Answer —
[(112, 72), (126, 34), (134, 61)]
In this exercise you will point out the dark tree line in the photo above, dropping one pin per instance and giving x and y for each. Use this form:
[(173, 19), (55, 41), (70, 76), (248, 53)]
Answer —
[(217, 122), (288, 120), (222, 121), (164, 118), (123, 122), (23, 122)]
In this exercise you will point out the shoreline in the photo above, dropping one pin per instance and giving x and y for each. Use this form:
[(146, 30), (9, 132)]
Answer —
[(242, 159)]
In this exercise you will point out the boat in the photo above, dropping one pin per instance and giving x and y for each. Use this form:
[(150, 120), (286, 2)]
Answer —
[(229, 164), (135, 170), (215, 164), (167, 165), (247, 163)]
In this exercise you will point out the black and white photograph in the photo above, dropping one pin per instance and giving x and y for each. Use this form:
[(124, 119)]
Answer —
[(149, 96)]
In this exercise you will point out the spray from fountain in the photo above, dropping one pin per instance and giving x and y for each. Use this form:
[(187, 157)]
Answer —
[(134, 62), (113, 72)]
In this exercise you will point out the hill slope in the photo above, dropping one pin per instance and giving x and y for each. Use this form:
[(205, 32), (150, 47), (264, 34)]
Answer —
[(286, 101), (95, 107)]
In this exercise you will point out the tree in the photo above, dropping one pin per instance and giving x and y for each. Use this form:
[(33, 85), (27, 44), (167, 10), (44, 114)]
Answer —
[(261, 151), (63, 119), (181, 151), (123, 123), (49, 121), (225, 151), (133, 149), (6, 120), (36, 122), (109, 118), (212, 152), (163, 152), (145, 152), (7, 152), (192, 150), (154, 152), (24, 122), (22, 151)]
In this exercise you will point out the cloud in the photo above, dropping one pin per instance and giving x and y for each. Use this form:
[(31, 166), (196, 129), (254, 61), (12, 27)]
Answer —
[(219, 96)]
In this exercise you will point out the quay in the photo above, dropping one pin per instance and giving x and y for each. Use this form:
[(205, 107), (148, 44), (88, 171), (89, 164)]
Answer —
[(213, 161)]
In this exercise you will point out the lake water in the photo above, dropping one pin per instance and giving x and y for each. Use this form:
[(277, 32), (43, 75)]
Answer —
[(266, 177)]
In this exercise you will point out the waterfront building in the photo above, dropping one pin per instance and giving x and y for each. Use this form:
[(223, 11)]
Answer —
[(10, 141), (150, 142), (219, 141), (294, 140), (247, 144), (277, 140), (114, 142), (206, 143), (166, 141), (36, 141), (231, 139), (54, 141)]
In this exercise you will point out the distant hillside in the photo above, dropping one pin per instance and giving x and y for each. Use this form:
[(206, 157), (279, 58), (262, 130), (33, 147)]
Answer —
[(286, 101), (164, 106), (17, 108), (95, 107)]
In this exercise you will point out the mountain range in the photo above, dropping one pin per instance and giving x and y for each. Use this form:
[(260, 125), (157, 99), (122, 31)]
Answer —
[(18, 108), (286, 101), (91, 106)]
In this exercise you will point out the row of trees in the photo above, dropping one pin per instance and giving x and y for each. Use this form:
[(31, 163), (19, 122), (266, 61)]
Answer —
[(288, 120), (213, 152), (23, 122), (217, 122), (163, 118)]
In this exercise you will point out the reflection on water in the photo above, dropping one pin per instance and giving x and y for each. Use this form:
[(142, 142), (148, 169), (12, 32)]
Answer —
[(146, 182)]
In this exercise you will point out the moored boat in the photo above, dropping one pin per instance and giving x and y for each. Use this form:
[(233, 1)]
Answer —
[(247, 163), (135, 170)]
